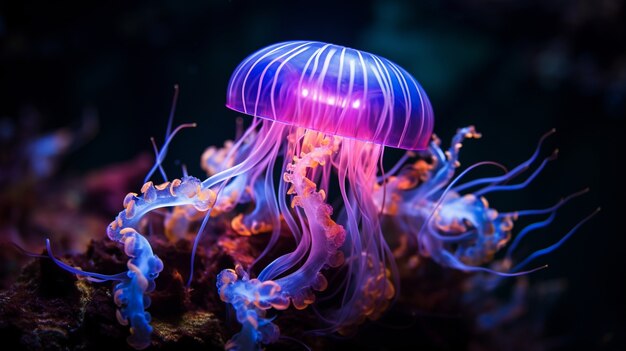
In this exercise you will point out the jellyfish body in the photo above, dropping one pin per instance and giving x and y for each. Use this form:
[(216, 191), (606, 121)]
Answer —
[(327, 111), (333, 89)]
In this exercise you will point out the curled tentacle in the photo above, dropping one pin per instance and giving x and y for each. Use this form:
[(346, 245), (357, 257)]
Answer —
[(131, 293), (186, 191), (462, 231), (251, 298)]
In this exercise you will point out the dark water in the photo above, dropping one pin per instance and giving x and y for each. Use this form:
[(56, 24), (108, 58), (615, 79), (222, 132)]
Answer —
[(515, 69)]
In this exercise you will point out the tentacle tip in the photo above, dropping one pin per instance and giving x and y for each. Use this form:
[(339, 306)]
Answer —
[(555, 154), (48, 247), (547, 134)]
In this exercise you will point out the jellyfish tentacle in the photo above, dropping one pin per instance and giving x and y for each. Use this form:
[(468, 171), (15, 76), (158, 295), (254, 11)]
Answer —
[(445, 163), (157, 162), (91, 276), (511, 174), (556, 245), (494, 188), (185, 191), (527, 229), (215, 160), (263, 143), (461, 218), (368, 288), (260, 220), (265, 150), (553, 208), (284, 262), (326, 235), (161, 154), (466, 212), (131, 294), (170, 118), (537, 225), (251, 298), (396, 167), (453, 262), (265, 216), (463, 231)]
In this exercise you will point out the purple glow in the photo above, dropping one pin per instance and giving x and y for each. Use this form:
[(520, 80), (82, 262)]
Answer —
[(348, 216), (335, 90)]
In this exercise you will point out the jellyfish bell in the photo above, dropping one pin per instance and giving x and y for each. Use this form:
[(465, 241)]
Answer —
[(335, 90)]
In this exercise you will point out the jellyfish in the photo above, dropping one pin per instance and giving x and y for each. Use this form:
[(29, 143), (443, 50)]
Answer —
[(310, 164), (326, 112)]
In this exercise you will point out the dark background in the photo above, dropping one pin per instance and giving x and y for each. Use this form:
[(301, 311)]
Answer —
[(515, 69)]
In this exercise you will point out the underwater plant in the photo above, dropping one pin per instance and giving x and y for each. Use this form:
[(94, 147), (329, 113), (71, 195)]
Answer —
[(322, 115)]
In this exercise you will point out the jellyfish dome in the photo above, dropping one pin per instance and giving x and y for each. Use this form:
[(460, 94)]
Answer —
[(336, 90)]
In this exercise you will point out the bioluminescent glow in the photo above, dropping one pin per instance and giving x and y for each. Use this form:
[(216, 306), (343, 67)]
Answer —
[(335, 90), (322, 115)]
